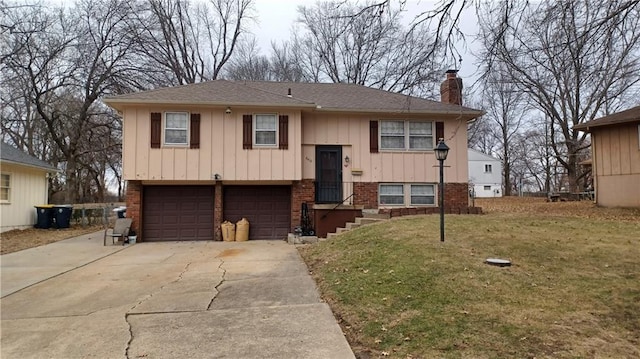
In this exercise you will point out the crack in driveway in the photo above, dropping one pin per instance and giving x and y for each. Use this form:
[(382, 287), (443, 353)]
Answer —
[(146, 298), (224, 273)]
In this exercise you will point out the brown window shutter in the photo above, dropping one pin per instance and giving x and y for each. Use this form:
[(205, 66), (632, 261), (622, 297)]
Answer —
[(283, 132), (247, 132), (194, 141), (156, 129), (439, 131), (373, 136)]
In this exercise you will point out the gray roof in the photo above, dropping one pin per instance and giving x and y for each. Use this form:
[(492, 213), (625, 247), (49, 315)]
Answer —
[(627, 116), (336, 97), (11, 154)]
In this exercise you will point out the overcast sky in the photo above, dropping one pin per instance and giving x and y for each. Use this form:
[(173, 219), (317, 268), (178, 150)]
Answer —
[(276, 17)]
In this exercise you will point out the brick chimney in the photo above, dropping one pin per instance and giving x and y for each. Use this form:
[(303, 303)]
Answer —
[(451, 88)]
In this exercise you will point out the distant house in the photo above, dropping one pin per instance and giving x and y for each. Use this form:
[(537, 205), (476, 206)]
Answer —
[(23, 185), (485, 174), (615, 151)]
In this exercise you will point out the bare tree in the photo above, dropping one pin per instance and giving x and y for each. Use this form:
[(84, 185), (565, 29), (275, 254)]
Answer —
[(575, 60), (341, 42), (63, 63), (182, 43), (506, 109)]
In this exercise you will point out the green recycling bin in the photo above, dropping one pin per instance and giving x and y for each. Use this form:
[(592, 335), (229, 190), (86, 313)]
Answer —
[(62, 215)]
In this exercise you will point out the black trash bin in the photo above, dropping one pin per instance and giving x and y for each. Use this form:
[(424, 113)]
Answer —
[(44, 218), (62, 215), (121, 212)]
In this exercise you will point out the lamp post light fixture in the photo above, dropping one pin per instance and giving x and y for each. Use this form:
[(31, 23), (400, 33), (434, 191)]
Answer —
[(441, 151)]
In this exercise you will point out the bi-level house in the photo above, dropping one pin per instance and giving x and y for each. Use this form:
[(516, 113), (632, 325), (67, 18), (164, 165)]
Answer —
[(197, 155)]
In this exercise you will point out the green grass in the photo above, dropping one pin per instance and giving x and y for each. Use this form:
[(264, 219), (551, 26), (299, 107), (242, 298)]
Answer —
[(573, 290)]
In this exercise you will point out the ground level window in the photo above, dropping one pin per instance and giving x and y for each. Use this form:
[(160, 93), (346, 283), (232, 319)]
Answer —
[(422, 194), (487, 188), (391, 194), (5, 187), (413, 194)]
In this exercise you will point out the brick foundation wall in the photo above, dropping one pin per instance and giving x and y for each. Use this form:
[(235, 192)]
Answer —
[(134, 204), (366, 194), (456, 195), (301, 192), (217, 212)]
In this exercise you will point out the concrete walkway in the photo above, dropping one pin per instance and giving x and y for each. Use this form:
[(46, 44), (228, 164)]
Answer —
[(170, 300)]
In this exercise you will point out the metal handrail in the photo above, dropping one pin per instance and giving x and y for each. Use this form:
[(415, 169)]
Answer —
[(337, 205)]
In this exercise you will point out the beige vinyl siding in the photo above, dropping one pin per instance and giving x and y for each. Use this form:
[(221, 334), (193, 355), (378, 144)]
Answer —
[(352, 132), (617, 165), (28, 188), (220, 149)]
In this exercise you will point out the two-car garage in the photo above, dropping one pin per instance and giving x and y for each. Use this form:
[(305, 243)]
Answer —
[(186, 213)]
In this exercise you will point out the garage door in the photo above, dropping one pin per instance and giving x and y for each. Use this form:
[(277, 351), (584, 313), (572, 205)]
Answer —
[(268, 209), (177, 213)]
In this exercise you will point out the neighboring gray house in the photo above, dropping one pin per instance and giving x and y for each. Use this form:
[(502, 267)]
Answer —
[(23, 184), (485, 174)]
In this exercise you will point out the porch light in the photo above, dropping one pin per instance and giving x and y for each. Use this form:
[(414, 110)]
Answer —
[(441, 151)]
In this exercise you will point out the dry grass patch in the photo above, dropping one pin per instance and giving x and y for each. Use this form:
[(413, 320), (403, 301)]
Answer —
[(17, 240), (573, 290)]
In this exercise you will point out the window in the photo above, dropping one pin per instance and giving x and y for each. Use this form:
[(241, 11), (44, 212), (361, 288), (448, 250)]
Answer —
[(422, 194), (487, 188), (406, 135), (176, 128), (5, 188), (265, 130), (391, 194), (394, 194), (487, 168)]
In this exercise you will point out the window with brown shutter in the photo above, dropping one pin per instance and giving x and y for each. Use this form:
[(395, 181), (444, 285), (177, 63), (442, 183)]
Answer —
[(373, 136), (194, 141), (439, 131), (247, 132), (283, 142), (156, 129)]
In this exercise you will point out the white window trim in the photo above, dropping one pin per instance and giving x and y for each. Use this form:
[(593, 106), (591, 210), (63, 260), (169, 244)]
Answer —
[(8, 200), (406, 195), (165, 128), (407, 136), (254, 131)]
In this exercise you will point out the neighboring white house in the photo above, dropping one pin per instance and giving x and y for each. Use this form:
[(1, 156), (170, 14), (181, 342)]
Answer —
[(485, 174), (23, 185)]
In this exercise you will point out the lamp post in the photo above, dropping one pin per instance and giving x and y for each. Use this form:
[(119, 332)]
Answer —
[(441, 151)]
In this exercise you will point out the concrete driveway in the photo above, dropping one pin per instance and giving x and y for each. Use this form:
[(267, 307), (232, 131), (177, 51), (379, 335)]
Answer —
[(174, 300)]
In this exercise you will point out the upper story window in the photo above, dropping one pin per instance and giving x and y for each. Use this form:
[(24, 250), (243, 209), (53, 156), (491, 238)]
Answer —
[(176, 128), (265, 130), (487, 168), (5, 188), (406, 135)]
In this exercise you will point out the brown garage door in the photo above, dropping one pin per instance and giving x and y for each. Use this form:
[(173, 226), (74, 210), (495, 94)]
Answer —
[(268, 209), (177, 213)]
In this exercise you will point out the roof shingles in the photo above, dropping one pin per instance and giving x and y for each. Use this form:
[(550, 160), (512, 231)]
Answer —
[(11, 154), (320, 96)]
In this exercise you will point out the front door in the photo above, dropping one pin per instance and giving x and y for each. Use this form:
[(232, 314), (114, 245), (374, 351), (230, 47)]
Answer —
[(328, 174)]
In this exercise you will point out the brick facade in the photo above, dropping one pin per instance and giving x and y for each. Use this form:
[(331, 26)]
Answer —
[(456, 195), (217, 212), (301, 192), (365, 194), (134, 204)]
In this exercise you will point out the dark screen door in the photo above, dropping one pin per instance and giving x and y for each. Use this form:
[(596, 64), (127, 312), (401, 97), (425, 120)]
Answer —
[(328, 174)]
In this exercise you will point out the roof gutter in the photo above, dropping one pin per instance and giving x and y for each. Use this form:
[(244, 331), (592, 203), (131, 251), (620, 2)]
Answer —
[(47, 169)]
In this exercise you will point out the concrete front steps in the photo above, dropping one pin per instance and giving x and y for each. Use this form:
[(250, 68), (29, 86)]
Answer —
[(367, 218)]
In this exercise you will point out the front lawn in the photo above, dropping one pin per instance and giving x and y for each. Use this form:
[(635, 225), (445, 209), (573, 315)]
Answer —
[(573, 290)]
